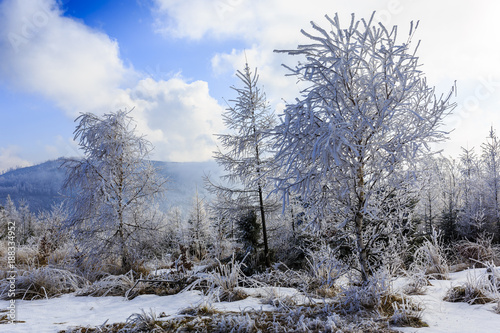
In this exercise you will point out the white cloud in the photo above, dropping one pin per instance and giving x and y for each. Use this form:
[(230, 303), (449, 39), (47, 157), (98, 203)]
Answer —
[(196, 18), (9, 158), (179, 118), (80, 70), (57, 57)]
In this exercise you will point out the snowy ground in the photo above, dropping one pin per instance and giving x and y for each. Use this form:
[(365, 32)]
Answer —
[(56, 314), (60, 313), (455, 317)]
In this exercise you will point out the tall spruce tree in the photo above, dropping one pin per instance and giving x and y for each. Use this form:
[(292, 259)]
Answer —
[(246, 153)]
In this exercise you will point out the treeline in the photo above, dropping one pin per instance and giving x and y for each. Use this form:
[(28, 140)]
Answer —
[(460, 196)]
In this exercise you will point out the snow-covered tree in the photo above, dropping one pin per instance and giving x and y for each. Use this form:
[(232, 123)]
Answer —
[(246, 153), (429, 206), (8, 213), (26, 222), (347, 144), (50, 232), (4, 223), (198, 227), (174, 229), (449, 176), (223, 228), (471, 218), (110, 187), (249, 231), (491, 161)]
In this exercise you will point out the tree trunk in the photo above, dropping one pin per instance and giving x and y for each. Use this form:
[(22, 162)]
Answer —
[(358, 222), (264, 231), (125, 262)]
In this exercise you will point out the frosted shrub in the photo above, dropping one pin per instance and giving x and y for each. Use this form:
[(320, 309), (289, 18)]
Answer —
[(368, 296), (281, 275), (430, 259), (27, 255), (418, 282), (375, 298), (224, 281), (324, 266)]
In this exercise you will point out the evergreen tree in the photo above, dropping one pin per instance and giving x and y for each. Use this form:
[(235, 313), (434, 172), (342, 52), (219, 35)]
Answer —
[(450, 197), (249, 231), (246, 155), (198, 225), (471, 217), (491, 162)]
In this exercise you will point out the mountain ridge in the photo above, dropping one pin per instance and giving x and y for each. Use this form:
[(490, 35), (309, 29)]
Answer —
[(39, 185)]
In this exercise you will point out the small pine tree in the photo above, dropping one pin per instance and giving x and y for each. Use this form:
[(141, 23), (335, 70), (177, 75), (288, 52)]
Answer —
[(198, 227), (249, 231)]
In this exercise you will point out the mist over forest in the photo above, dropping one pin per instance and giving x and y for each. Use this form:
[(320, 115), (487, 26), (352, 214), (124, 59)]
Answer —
[(40, 186)]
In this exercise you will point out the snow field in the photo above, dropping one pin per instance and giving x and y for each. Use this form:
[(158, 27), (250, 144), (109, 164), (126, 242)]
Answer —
[(442, 316), (55, 314)]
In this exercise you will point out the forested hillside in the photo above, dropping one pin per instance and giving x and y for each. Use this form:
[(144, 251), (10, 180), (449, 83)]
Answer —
[(40, 185)]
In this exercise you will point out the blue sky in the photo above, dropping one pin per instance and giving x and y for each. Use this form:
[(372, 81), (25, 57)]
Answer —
[(173, 61)]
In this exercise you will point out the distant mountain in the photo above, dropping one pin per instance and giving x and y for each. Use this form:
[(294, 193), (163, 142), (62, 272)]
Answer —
[(40, 185)]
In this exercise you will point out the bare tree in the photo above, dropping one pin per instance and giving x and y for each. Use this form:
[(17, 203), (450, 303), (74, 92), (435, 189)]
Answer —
[(347, 145), (110, 187)]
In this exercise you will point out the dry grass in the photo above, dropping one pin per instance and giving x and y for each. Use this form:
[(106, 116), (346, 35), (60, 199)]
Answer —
[(143, 322), (402, 312), (27, 257), (44, 282), (480, 289), (204, 308), (327, 292), (478, 252), (295, 320), (417, 284), (468, 294), (112, 285), (430, 258), (224, 281)]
